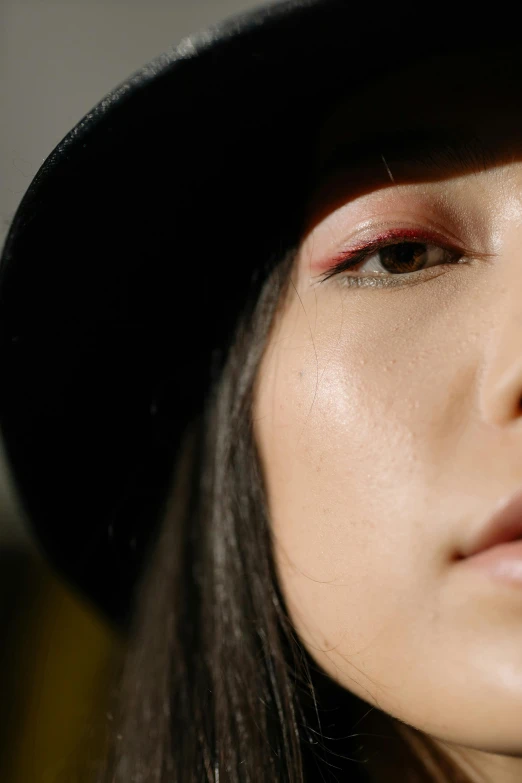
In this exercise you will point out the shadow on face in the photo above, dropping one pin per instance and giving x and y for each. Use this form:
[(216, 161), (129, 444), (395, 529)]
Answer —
[(431, 122)]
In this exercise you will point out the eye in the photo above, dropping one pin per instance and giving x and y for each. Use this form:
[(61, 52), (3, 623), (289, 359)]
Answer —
[(407, 257), (391, 263)]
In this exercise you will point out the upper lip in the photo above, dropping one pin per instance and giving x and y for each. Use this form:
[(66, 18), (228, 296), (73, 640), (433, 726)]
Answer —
[(502, 525)]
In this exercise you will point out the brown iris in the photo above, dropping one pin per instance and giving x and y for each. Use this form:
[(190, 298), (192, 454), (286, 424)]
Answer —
[(403, 256)]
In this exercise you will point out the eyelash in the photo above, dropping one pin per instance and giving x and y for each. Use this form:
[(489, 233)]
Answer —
[(353, 258)]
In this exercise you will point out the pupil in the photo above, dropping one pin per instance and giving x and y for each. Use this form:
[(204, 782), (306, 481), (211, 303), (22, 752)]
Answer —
[(403, 257)]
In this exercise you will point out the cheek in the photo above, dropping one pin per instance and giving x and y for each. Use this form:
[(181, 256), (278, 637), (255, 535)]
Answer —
[(345, 477)]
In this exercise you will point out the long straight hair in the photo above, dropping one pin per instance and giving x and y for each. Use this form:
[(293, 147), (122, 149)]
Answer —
[(215, 685)]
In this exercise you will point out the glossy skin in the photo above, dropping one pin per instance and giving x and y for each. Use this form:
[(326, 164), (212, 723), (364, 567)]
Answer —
[(388, 422)]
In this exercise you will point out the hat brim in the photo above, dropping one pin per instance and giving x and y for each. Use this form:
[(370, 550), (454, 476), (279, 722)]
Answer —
[(125, 265)]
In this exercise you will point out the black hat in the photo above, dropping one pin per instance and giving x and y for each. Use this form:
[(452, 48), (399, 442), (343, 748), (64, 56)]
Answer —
[(126, 261)]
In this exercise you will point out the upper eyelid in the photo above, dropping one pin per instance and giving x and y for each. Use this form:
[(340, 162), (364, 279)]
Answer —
[(372, 226), (418, 209)]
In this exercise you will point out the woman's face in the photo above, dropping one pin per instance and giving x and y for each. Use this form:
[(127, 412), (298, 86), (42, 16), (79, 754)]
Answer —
[(388, 417)]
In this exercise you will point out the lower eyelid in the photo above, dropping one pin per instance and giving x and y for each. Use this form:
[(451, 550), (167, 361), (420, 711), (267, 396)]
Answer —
[(395, 281)]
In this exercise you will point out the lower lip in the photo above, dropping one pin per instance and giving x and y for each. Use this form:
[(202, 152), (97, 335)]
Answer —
[(502, 562)]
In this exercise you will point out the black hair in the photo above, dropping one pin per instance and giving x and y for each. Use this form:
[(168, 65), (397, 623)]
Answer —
[(215, 684)]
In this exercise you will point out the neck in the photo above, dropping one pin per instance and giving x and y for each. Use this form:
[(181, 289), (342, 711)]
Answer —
[(398, 753)]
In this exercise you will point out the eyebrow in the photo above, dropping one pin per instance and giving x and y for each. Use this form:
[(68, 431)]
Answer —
[(440, 152)]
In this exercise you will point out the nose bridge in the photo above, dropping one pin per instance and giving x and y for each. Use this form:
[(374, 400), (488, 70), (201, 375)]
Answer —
[(502, 385)]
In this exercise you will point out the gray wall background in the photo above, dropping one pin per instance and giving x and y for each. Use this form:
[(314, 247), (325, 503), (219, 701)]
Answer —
[(57, 60)]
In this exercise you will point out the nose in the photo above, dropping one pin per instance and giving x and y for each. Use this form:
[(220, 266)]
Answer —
[(501, 393), (502, 402)]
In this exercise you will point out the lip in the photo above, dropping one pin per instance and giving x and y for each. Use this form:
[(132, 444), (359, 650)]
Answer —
[(501, 527), (502, 562)]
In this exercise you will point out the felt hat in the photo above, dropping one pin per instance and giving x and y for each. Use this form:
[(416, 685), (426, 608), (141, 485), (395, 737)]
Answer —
[(127, 260)]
